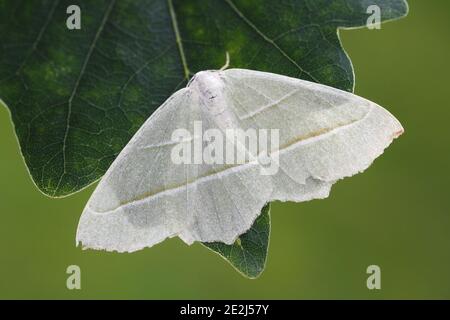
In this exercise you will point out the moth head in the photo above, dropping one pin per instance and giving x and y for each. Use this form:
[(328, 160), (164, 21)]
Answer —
[(208, 85)]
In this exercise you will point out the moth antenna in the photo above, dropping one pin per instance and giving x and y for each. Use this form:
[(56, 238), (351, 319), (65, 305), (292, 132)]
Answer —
[(227, 62)]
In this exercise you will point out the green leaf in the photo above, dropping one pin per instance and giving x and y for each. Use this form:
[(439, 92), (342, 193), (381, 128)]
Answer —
[(77, 96), (248, 254)]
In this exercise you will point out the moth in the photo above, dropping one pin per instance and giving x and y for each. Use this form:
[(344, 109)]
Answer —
[(173, 179)]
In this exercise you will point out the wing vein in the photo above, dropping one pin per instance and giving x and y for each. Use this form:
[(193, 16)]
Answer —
[(230, 168)]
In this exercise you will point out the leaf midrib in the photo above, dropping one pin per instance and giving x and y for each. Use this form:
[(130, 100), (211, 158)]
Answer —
[(241, 15), (178, 40)]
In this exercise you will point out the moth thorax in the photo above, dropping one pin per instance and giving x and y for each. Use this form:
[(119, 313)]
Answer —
[(209, 86)]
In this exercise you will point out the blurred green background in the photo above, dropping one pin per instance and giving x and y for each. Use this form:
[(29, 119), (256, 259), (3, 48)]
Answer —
[(395, 215)]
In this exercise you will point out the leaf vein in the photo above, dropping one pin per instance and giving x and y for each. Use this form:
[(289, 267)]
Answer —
[(76, 86)]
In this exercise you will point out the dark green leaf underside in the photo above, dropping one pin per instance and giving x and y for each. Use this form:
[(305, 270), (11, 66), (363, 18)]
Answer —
[(249, 253), (77, 96)]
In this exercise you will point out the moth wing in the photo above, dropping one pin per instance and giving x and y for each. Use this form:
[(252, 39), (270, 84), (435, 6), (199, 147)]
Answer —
[(145, 197), (324, 135), (117, 217)]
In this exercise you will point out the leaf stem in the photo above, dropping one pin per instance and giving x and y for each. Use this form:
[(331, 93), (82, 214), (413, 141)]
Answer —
[(178, 39)]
